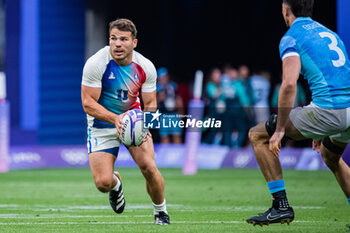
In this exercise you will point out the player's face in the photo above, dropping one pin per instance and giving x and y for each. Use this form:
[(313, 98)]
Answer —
[(284, 13), (121, 45)]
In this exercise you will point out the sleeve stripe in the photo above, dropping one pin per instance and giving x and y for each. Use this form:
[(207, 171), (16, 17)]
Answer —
[(91, 84), (291, 54), (148, 89)]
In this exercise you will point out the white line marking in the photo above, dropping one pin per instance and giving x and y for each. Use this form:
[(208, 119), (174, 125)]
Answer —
[(49, 216), (141, 206), (309, 207), (5, 206), (129, 222)]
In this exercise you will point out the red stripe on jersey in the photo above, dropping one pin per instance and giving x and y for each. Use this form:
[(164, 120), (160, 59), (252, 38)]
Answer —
[(135, 105), (140, 72)]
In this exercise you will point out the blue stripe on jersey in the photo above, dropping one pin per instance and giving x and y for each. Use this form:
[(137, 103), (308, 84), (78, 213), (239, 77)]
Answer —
[(89, 139)]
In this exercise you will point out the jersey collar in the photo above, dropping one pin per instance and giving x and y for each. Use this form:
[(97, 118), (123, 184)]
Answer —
[(301, 19)]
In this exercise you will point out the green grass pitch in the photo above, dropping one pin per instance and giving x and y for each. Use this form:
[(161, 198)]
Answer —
[(66, 200)]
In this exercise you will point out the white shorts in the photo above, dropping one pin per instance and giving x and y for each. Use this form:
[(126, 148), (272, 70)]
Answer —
[(104, 140), (316, 123)]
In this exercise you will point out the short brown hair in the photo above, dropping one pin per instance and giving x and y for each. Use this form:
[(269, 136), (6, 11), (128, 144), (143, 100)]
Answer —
[(125, 25)]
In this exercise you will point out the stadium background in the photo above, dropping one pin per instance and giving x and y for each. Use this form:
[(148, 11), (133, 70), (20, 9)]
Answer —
[(45, 43)]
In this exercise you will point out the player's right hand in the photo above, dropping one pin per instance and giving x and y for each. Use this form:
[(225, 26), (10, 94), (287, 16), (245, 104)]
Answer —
[(119, 123), (275, 142)]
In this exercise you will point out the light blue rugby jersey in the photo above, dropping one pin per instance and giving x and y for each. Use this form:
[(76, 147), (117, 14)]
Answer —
[(324, 61)]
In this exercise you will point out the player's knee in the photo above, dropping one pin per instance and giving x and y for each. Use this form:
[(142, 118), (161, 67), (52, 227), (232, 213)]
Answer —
[(332, 159), (252, 135), (332, 147), (104, 184), (148, 170), (270, 124), (255, 135)]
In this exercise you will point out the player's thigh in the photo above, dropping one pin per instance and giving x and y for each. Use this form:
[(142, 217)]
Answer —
[(316, 123), (260, 132), (143, 155), (102, 165), (103, 146), (292, 132)]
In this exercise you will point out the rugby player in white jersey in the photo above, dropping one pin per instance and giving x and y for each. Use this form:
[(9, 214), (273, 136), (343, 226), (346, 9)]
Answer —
[(113, 80)]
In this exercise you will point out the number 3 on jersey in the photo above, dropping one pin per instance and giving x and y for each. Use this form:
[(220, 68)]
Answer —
[(334, 46), (122, 94)]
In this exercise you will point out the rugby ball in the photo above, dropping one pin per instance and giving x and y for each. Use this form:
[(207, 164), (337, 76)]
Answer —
[(133, 132)]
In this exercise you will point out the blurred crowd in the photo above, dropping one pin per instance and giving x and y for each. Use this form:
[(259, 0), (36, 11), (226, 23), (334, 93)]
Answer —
[(237, 97)]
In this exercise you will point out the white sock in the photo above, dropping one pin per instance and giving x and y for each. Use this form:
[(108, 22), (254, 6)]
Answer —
[(116, 187), (160, 208)]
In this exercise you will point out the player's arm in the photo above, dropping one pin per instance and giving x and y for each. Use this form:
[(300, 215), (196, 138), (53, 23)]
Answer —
[(148, 90), (291, 67), (89, 97), (290, 73), (149, 100)]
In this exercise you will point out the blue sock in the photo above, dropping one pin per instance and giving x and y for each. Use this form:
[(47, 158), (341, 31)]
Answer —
[(278, 192), (275, 186), (349, 200)]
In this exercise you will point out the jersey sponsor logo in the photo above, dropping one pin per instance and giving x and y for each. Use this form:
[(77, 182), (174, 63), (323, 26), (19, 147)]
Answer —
[(111, 76)]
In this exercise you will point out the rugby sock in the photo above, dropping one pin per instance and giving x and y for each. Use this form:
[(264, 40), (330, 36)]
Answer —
[(116, 187), (160, 208), (349, 200), (278, 192), (275, 186)]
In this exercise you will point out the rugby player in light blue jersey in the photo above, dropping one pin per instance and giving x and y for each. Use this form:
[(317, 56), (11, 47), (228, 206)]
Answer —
[(319, 55), (113, 80)]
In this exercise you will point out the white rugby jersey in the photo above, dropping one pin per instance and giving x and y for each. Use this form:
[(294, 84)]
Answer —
[(121, 85)]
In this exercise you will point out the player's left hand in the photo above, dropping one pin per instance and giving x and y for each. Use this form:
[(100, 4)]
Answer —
[(275, 142), (316, 145)]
